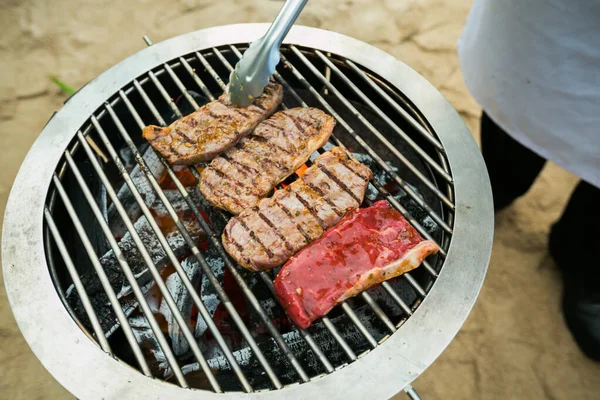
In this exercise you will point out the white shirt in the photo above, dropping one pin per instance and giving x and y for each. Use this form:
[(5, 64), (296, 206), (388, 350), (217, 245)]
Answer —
[(534, 67)]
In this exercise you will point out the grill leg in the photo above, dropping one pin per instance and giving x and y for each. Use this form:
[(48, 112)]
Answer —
[(412, 393)]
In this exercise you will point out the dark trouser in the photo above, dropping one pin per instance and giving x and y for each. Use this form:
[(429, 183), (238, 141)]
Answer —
[(575, 237)]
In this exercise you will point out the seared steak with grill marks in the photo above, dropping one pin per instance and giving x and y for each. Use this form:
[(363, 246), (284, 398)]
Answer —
[(246, 173), (212, 129), (267, 235)]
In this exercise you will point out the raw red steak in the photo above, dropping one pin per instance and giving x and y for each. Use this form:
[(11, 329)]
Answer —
[(367, 247)]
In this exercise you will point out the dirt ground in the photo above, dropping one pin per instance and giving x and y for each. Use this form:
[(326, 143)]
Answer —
[(514, 345)]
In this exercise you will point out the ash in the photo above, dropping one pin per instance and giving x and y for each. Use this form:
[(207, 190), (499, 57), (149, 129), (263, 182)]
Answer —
[(143, 186), (183, 300), (150, 347)]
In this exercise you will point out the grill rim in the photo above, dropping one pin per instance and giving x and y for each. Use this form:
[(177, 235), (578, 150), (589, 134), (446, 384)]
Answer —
[(64, 349)]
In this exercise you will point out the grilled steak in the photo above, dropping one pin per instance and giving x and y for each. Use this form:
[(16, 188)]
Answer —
[(267, 235), (246, 173), (367, 247), (212, 129)]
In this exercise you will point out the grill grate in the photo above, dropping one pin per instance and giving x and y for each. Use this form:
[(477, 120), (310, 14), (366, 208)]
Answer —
[(373, 120)]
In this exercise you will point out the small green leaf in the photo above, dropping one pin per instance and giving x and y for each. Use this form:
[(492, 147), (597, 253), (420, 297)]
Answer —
[(63, 86)]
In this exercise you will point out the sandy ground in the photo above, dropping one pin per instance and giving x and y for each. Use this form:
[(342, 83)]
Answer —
[(514, 344)]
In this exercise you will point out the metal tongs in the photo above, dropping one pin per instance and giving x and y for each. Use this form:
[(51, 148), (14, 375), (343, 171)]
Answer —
[(252, 72)]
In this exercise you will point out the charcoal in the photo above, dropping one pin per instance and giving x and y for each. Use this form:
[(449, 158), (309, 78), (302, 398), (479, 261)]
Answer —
[(116, 277), (149, 345), (183, 300), (142, 184), (397, 193), (103, 309), (134, 259), (177, 201), (217, 218), (254, 371), (387, 303), (127, 157), (208, 293)]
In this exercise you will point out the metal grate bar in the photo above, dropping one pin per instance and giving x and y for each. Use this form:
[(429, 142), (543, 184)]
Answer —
[(341, 341), (364, 144), (327, 76), (185, 280), (393, 125), (198, 81), (415, 285), (112, 297), (85, 300), (125, 267), (274, 332), (382, 316), (222, 58), (187, 333), (415, 124), (397, 298), (165, 95), (359, 325), (180, 86), (210, 69), (136, 116), (148, 102)]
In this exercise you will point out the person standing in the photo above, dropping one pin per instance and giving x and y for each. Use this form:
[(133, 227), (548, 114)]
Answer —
[(534, 67)]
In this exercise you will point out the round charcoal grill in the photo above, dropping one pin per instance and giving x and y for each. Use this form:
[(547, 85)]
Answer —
[(113, 263)]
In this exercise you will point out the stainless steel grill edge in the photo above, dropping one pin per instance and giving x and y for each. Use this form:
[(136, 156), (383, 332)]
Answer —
[(83, 368)]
